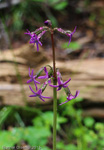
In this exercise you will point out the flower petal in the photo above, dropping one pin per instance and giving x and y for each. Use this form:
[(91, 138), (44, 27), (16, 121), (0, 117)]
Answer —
[(49, 81), (39, 92), (30, 80), (36, 86), (45, 69), (36, 81), (42, 77), (70, 39), (45, 96), (66, 81), (59, 81), (63, 102), (59, 88), (54, 85), (32, 72), (33, 95), (64, 86), (32, 89), (37, 46), (40, 43), (41, 98)]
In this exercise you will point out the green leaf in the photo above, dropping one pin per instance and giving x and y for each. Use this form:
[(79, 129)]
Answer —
[(4, 113), (70, 147), (46, 120), (37, 136), (60, 5), (5, 139), (99, 126), (78, 132), (17, 20), (101, 142), (88, 138), (45, 148), (10, 138), (37, 122), (53, 19), (92, 17), (61, 146), (89, 121)]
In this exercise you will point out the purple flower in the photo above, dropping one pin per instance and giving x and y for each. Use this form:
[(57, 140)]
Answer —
[(32, 78), (70, 35), (46, 76), (60, 84), (34, 39), (38, 93), (70, 97)]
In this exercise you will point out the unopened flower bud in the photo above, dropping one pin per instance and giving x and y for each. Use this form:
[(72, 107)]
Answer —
[(48, 23)]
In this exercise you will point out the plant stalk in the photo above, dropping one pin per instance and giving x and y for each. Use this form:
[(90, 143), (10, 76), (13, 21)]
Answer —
[(54, 95)]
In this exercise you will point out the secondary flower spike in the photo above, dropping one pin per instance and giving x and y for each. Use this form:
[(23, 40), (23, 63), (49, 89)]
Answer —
[(70, 97), (38, 93), (32, 78), (61, 84)]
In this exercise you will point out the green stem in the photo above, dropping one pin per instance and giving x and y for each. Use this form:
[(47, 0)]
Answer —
[(54, 115), (54, 95)]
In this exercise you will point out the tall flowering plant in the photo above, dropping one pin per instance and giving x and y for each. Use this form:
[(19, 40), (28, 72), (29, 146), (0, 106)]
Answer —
[(52, 77)]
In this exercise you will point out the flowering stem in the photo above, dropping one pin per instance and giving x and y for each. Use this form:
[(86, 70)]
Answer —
[(54, 95)]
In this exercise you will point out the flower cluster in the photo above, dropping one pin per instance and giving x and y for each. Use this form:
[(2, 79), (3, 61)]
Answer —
[(33, 79), (48, 76), (35, 39)]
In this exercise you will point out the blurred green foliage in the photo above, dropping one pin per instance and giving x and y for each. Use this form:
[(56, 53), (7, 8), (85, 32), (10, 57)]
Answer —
[(77, 132), (87, 132), (72, 46), (31, 12), (46, 119)]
